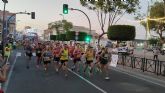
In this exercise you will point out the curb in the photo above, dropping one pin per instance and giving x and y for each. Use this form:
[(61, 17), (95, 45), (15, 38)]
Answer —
[(146, 78)]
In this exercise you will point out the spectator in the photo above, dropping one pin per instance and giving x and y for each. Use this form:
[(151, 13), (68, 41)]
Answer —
[(3, 71), (156, 53)]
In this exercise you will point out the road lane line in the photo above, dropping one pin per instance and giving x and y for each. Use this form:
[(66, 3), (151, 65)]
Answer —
[(103, 91), (9, 75)]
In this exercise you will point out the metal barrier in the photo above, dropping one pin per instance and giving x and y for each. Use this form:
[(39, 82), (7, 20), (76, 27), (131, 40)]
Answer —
[(144, 64)]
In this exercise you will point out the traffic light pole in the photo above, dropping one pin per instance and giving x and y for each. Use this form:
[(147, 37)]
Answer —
[(86, 16)]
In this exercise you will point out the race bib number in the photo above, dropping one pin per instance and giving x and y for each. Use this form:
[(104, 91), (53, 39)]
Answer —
[(46, 58), (38, 51)]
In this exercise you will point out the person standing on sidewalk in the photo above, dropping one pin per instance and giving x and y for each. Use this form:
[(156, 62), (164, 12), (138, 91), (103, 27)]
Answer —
[(156, 53), (3, 71)]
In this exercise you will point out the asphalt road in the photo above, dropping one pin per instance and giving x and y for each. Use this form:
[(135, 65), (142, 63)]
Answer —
[(36, 80)]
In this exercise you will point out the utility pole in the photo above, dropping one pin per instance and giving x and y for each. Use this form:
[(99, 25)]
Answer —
[(4, 16)]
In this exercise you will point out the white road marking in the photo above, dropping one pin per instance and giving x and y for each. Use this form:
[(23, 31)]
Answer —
[(103, 91), (10, 72)]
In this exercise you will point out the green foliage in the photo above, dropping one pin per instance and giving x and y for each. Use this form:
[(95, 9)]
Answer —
[(81, 36), (70, 35), (128, 6), (64, 23), (62, 37), (109, 12), (157, 11), (121, 32), (153, 41), (67, 25), (53, 37)]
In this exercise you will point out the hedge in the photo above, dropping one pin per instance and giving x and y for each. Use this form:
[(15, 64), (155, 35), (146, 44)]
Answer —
[(121, 32)]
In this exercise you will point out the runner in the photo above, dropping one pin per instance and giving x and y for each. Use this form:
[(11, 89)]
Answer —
[(104, 59), (39, 54), (77, 57), (64, 59), (28, 53), (71, 50), (89, 59), (56, 54), (47, 57)]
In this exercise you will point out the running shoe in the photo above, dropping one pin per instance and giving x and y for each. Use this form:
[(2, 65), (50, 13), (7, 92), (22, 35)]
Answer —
[(107, 78)]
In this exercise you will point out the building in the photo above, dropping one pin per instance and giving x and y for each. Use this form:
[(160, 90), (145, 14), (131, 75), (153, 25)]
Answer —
[(12, 22)]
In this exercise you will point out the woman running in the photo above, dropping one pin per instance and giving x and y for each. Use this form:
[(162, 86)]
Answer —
[(47, 57), (89, 59), (77, 57), (39, 51), (29, 54), (64, 59), (104, 59), (56, 53)]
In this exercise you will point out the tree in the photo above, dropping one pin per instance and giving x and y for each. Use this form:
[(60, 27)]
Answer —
[(56, 25), (64, 24), (67, 25), (156, 20), (111, 9), (121, 32), (157, 11), (153, 41)]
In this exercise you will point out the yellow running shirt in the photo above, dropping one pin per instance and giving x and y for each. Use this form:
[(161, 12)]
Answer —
[(64, 55), (89, 55)]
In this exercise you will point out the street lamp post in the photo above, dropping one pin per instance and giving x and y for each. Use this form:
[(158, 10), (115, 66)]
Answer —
[(62, 16), (148, 11), (86, 16), (4, 14)]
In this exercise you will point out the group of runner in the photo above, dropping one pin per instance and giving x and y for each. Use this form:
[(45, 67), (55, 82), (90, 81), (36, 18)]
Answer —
[(60, 54)]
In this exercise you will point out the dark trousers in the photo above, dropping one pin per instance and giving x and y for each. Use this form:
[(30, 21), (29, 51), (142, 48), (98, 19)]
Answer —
[(156, 57)]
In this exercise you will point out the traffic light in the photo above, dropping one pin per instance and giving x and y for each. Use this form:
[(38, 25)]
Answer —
[(33, 15), (65, 8), (87, 38)]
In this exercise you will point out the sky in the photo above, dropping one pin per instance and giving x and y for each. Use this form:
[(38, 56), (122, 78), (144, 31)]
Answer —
[(49, 11)]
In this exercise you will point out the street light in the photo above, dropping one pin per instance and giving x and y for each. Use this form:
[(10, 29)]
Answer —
[(62, 16), (148, 11)]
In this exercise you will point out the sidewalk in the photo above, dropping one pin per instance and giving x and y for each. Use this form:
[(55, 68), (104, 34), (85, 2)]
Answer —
[(146, 76)]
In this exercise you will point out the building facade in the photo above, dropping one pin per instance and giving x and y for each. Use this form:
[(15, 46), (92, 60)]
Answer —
[(11, 23)]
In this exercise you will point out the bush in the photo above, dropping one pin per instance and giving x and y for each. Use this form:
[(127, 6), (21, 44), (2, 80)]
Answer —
[(62, 37), (52, 37), (153, 41), (121, 32), (70, 35), (81, 36)]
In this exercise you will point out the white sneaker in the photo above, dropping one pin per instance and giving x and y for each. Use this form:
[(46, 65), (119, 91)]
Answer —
[(66, 75), (107, 78), (56, 70)]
